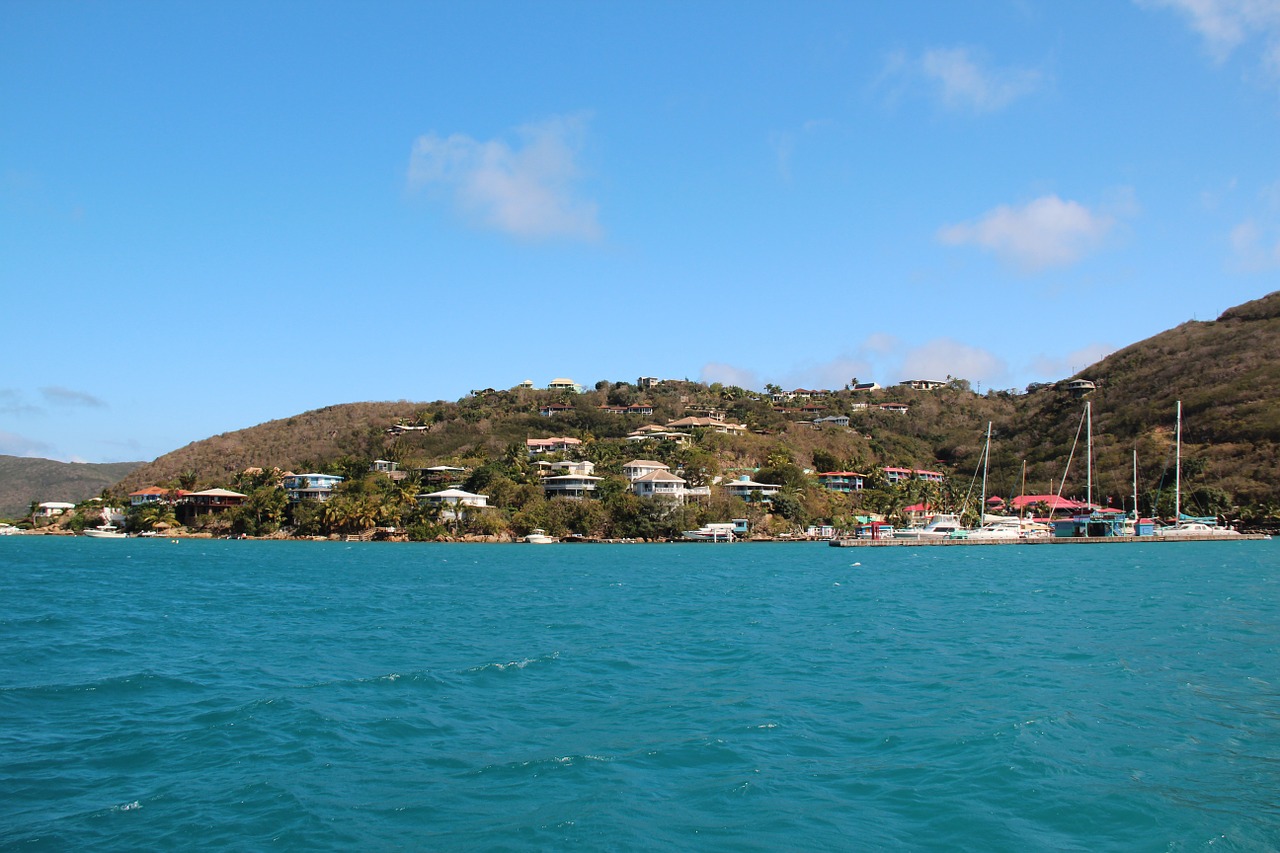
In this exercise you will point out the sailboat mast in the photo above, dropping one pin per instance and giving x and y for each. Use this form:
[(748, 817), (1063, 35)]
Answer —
[(986, 459), (1088, 452), (1177, 471), (1136, 514)]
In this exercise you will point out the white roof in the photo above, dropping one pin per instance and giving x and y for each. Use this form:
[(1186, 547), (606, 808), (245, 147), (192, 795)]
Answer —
[(455, 493)]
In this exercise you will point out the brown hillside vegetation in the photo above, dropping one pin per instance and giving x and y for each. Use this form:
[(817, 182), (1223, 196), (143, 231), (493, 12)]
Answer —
[(1225, 372)]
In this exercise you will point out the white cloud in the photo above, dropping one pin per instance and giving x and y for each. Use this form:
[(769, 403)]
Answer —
[(1043, 233), (1050, 368), (529, 190), (959, 78), (727, 374), (1226, 25), (12, 444), (964, 84), (944, 357), (58, 395), (1255, 248)]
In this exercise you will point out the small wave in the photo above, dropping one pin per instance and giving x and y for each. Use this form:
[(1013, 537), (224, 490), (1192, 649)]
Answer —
[(128, 807), (513, 664)]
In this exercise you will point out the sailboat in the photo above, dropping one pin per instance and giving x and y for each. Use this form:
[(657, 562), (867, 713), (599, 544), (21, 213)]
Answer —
[(1186, 527)]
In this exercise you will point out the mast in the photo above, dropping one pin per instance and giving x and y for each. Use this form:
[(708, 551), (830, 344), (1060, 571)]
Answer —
[(1088, 452), (986, 458), (1136, 514), (1177, 471)]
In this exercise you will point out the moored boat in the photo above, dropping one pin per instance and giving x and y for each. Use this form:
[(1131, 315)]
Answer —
[(540, 537), (941, 526), (714, 532), (105, 531)]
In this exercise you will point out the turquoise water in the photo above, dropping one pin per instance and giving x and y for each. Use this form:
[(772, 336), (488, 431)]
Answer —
[(327, 696)]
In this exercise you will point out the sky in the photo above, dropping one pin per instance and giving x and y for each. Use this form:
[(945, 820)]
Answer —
[(214, 214)]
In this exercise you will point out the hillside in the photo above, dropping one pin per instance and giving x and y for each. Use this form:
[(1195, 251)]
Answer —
[(1226, 372), (23, 480)]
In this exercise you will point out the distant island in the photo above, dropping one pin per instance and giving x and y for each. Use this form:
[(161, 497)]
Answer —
[(649, 458)]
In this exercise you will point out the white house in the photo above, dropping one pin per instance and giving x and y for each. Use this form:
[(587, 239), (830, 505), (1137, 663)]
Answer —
[(581, 468), (570, 485), (660, 484), (310, 487), (52, 509), (550, 445), (564, 385), (637, 468), (453, 499), (744, 486)]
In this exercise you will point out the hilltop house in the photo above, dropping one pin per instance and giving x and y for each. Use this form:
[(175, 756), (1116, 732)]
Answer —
[(925, 384), (564, 385), (53, 509)]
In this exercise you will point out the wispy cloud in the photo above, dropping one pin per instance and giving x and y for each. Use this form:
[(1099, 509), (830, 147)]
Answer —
[(1045, 232), (727, 374), (529, 189), (13, 403), (1255, 247), (943, 357), (12, 444), (1227, 25), (59, 396), (962, 79), (1055, 367), (784, 144)]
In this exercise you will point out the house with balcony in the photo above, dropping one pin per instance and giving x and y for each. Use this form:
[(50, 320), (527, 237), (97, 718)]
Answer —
[(744, 487), (566, 467), (637, 468), (925, 384), (208, 502), (310, 487), (660, 484), (384, 466), (832, 420), (564, 385), (575, 486), (550, 410), (842, 481), (151, 495), (452, 501), (901, 475), (536, 446), (897, 408)]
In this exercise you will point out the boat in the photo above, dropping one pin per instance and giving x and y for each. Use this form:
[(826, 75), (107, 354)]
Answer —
[(940, 526), (105, 531), (714, 532), (1186, 527), (1196, 530), (1001, 529), (9, 530), (540, 537)]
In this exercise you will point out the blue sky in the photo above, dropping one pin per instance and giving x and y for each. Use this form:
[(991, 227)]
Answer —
[(217, 214)]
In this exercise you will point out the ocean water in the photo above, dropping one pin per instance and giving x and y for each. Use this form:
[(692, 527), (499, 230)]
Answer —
[(333, 696)]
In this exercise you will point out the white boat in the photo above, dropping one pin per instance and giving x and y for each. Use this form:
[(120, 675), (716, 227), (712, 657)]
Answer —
[(941, 526), (9, 530), (715, 532), (105, 531), (1196, 530), (1005, 528), (540, 537)]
